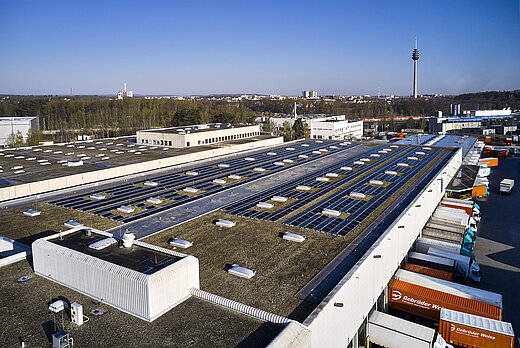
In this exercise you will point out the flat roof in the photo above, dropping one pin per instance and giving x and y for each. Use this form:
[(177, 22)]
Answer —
[(197, 128), (192, 323), (97, 155), (137, 258)]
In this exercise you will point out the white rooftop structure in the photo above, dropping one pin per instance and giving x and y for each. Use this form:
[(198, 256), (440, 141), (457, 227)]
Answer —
[(332, 127)]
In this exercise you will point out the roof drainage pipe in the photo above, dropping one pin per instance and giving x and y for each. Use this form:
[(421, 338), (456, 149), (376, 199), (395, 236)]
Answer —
[(239, 307)]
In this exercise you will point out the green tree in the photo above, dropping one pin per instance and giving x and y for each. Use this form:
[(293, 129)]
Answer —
[(34, 138), (286, 131), (269, 126), (301, 129), (15, 140)]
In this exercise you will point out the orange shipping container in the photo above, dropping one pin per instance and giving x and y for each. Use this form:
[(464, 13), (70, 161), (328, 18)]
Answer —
[(468, 330), (467, 210), (432, 272), (490, 161), (427, 302), (479, 191)]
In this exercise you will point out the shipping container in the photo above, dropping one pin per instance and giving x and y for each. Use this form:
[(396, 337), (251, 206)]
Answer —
[(490, 161), (426, 302), (432, 272), (465, 205), (469, 330), (391, 332), (479, 191)]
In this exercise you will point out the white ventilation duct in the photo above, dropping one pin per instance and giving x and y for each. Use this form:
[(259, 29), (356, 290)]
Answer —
[(128, 240), (249, 159), (125, 209), (271, 153), (331, 212)]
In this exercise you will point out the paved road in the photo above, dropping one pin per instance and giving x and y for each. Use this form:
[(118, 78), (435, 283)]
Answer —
[(497, 249), (181, 214)]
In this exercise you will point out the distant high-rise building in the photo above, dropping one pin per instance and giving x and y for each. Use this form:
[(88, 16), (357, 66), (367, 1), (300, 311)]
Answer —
[(309, 94), (415, 57), (124, 93)]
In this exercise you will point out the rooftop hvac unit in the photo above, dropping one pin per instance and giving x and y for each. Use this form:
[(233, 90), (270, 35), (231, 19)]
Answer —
[(225, 223), (412, 158), (102, 243), (288, 160), (290, 149), (223, 165), (303, 156), (322, 179), (316, 152), (125, 209), (249, 159), (258, 169), (242, 271), (293, 237), (219, 181), (279, 199), (346, 168), (264, 205), (153, 200), (357, 195), (76, 313), (181, 243), (331, 212), (150, 183), (72, 224), (390, 172), (376, 182), (401, 164), (375, 155), (190, 173), (279, 164), (58, 306), (331, 175), (271, 153), (61, 339), (31, 212), (234, 177), (358, 162), (191, 190), (303, 188)]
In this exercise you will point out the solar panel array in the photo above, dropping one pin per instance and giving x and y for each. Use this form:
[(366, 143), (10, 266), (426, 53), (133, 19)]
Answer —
[(416, 139), (464, 142), (353, 211), (169, 186)]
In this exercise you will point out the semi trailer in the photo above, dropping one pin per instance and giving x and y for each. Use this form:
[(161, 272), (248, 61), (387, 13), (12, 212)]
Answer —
[(465, 264)]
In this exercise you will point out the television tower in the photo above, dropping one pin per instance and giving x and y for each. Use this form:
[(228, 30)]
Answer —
[(415, 57)]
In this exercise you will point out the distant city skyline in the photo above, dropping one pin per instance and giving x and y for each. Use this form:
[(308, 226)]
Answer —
[(232, 47)]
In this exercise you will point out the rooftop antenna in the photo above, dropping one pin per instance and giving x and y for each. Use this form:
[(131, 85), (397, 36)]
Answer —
[(415, 58), (295, 114)]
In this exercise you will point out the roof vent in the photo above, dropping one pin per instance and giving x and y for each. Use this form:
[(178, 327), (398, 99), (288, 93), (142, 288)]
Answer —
[(323, 150), (293, 237), (305, 145), (242, 271), (331, 212), (234, 177), (288, 160), (32, 212), (223, 165), (357, 195), (316, 152), (394, 146), (322, 179), (333, 147), (74, 163), (225, 223), (103, 243), (426, 148), (290, 149), (365, 160), (153, 200), (376, 182), (190, 190), (181, 243), (420, 153), (72, 224), (265, 205), (271, 153), (190, 173), (249, 159), (412, 158), (219, 181), (303, 188), (390, 172), (331, 175), (346, 168), (303, 156), (375, 155), (258, 169), (279, 164), (125, 209), (279, 199), (358, 162), (318, 141), (128, 240), (401, 164), (150, 183)]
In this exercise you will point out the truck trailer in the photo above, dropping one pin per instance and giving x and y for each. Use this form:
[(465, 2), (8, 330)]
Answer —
[(506, 185), (473, 331), (429, 271), (392, 332), (423, 243), (426, 302), (465, 264), (425, 260), (467, 206)]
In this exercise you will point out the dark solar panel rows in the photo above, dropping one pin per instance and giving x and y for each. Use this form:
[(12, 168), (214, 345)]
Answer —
[(171, 182)]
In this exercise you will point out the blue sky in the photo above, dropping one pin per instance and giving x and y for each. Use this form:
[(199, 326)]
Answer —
[(268, 47)]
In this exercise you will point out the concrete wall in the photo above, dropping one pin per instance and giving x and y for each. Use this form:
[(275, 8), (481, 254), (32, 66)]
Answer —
[(334, 326), (12, 192)]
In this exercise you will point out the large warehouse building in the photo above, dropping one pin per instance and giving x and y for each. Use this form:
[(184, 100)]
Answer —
[(13, 125), (298, 242)]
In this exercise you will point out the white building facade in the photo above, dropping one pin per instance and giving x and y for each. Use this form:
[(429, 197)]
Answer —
[(335, 127), (9, 125)]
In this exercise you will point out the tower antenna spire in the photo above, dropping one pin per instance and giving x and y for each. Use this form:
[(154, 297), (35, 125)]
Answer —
[(415, 58)]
